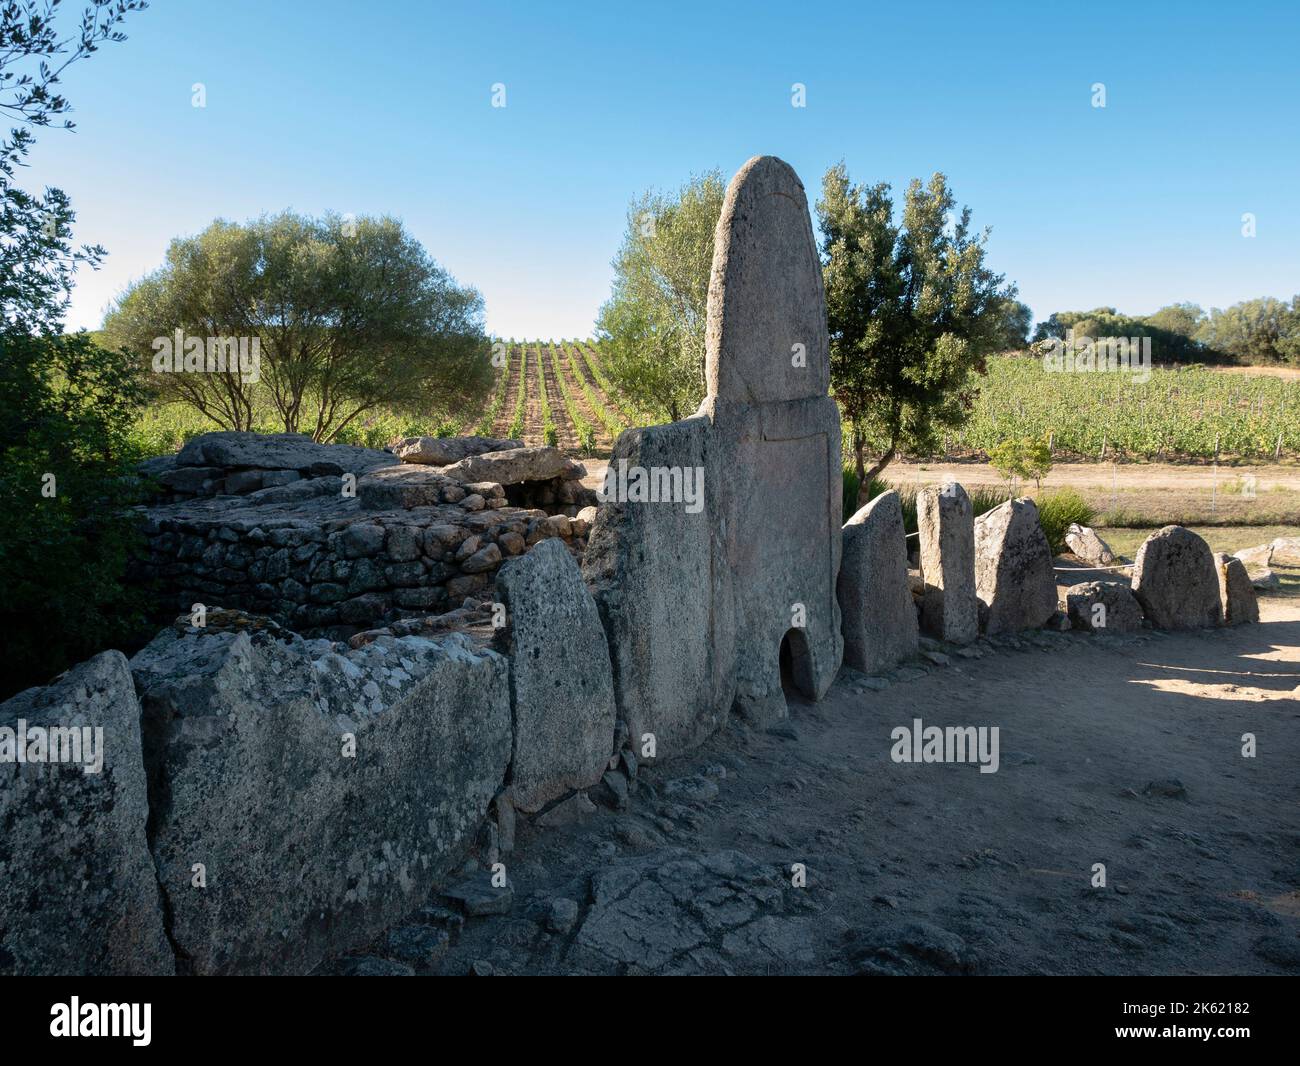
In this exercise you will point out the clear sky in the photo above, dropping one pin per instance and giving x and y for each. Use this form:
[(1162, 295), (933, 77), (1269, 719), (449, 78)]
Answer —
[(385, 107)]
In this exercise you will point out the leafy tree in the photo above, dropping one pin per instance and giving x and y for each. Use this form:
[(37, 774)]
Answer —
[(1255, 331), (1170, 329), (912, 311), (65, 402), (1013, 336), (348, 316), (1182, 320), (1025, 458), (66, 532), (652, 327)]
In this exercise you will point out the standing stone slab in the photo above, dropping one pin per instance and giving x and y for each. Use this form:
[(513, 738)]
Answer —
[(1014, 579), (561, 685), (78, 893), (949, 608), (659, 579), (701, 607), (777, 433), (1175, 580), (1236, 593), (765, 292), (879, 618), (309, 846)]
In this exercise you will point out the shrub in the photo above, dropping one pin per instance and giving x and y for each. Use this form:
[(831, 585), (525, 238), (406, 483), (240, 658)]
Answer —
[(66, 486), (1025, 458), (1057, 510)]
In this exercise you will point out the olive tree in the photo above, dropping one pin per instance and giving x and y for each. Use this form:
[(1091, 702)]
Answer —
[(912, 311), (330, 318)]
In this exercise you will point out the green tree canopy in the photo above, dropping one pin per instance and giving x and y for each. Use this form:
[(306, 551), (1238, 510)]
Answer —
[(1168, 328), (348, 315), (912, 311), (1017, 318), (652, 327), (1255, 331)]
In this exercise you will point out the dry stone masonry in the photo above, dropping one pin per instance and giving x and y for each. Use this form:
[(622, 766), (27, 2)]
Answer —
[(413, 539)]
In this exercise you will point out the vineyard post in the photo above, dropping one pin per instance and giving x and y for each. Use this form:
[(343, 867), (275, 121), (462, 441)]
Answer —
[(1214, 485), (1277, 452)]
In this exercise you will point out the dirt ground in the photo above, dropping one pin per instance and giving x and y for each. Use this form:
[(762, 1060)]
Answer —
[(1121, 750)]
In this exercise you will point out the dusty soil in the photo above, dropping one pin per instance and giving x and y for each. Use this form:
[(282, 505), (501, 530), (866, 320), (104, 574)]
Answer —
[(1179, 476), (1125, 751)]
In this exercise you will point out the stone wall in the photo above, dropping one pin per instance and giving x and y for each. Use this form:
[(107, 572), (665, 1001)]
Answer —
[(321, 554)]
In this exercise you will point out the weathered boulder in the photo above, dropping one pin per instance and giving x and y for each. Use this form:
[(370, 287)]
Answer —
[(1236, 594), (950, 609), (561, 684), (305, 799), (1086, 546), (78, 893), (443, 451), (1256, 559), (1014, 579), (1103, 607), (510, 467), (280, 451), (1176, 581), (879, 617)]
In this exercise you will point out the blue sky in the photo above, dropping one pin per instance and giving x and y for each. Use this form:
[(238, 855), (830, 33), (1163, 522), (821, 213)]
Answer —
[(385, 107)]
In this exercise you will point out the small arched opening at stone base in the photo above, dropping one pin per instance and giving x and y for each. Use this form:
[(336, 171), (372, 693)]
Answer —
[(797, 667)]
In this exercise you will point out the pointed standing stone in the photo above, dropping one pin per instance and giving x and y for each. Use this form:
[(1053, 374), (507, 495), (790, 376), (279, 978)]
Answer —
[(1014, 579), (949, 609), (879, 617)]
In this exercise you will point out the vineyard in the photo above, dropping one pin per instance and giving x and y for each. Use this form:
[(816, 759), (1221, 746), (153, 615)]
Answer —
[(555, 392), (1182, 413), (558, 392)]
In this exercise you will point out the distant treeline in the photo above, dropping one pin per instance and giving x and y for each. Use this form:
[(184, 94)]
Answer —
[(1255, 332)]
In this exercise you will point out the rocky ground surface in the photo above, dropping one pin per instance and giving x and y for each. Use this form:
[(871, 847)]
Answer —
[(1122, 750)]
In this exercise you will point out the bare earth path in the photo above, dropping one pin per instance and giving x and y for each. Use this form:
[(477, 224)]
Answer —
[(1125, 751)]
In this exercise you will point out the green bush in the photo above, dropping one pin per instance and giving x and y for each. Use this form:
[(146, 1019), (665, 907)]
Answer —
[(66, 486), (1057, 510), (1023, 458)]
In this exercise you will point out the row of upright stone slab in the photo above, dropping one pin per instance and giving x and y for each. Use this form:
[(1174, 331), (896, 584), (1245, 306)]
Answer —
[(699, 606), (994, 574)]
